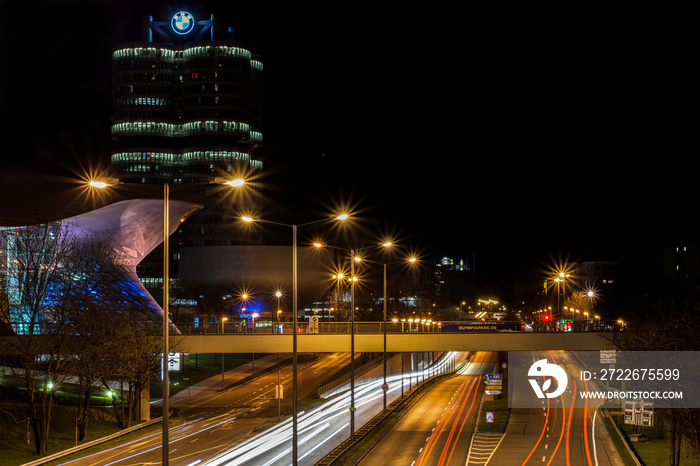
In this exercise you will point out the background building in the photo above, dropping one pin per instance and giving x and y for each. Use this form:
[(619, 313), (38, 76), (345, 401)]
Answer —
[(681, 262), (453, 279), (592, 275), (187, 107), (43, 215)]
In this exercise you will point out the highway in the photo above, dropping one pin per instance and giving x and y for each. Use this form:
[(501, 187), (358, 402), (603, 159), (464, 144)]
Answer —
[(562, 431), (218, 428), (438, 429), (321, 429), (214, 420)]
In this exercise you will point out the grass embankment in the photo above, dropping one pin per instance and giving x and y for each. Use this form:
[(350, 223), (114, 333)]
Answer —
[(655, 450), (499, 408), (617, 441), (14, 433)]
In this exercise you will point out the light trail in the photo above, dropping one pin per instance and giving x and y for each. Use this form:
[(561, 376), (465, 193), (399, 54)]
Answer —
[(544, 429), (464, 391), (461, 427), (328, 414)]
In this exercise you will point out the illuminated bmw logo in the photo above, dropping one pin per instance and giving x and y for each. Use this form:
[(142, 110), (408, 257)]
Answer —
[(182, 22)]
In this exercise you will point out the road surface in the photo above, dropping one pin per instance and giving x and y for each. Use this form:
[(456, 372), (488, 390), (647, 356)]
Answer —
[(562, 431), (215, 419), (438, 429)]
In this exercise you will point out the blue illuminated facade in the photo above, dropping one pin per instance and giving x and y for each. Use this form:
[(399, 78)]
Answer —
[(32, 274)]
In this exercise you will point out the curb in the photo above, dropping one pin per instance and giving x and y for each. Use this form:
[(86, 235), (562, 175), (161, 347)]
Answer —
[(93, 443)]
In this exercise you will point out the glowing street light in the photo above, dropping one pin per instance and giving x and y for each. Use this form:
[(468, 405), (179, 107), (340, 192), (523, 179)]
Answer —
[(356, 258), (237, 183), (101, 184), (249, 219), (97, 184)]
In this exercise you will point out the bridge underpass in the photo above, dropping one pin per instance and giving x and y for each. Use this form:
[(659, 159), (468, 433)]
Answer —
[(403, 342)]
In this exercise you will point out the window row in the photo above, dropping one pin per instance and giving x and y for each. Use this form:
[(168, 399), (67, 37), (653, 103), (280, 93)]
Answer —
[(185, 54), (188, 158), (137, 88), (155, 128)]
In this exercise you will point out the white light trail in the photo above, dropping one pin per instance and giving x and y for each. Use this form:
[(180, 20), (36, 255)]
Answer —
[(328, 414)]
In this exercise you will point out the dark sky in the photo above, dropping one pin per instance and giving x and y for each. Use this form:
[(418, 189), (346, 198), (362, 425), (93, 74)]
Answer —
[(515, 135)]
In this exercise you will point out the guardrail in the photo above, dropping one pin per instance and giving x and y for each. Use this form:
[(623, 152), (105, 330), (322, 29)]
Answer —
[(92, 443), (282, 328)]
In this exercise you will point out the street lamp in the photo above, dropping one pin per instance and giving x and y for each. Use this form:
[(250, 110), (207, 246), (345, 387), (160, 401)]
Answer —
[(278, 295), (100, 184), (338, 277), (353, 279), (223, 321), (294, 228), (560, 280), (411, 260), (356, 258)]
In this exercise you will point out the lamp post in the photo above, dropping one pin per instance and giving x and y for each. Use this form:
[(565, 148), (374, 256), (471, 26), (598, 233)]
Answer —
[(560, 280), (98, 184), (338, 277), (411, 260), (590, 294), (353, 279), (247, 219), (353, 259), (223, 321), (278, 295)]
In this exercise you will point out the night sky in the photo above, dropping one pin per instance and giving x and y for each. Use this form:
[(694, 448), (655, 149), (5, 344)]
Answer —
[(520, 136)]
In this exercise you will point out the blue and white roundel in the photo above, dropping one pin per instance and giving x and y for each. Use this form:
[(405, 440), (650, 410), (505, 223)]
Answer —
[(182, 22)]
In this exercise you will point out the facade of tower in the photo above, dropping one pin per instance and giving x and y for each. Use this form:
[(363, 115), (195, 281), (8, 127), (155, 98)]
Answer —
[(187, 108)]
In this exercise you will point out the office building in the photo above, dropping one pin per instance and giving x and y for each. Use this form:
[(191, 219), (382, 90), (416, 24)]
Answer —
[(187, 108), (454, 279)]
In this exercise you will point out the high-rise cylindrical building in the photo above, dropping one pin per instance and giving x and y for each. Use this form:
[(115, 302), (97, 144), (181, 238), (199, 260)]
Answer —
[(187, 108)]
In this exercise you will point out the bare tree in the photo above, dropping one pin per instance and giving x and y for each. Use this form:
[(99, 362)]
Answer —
[(90, 300), (33, 276), (74, 321), (673, 325), (133, 357)]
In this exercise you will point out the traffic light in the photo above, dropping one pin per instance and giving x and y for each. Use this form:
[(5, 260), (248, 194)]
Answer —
[(546, 318)]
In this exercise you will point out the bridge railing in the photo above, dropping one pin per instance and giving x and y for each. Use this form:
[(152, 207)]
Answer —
[(282, 328)]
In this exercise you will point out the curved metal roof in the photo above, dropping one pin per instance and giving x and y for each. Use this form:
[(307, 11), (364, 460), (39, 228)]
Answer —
[(30, 199)]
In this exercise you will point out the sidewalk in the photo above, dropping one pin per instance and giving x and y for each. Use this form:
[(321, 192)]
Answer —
[(213, 385)]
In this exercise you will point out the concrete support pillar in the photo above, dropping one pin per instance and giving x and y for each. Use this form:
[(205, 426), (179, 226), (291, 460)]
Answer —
[(144, 404)]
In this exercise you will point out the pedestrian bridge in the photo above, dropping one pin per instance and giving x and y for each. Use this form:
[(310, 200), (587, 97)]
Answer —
[(367, 337), (395, 342)]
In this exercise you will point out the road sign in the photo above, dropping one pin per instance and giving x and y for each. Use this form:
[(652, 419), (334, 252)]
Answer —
[(489, 416), (385, 387), (476, 327), (493, 376), (494, 387), (492, 392), (313, 324), (608, 357), (639, 413)]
